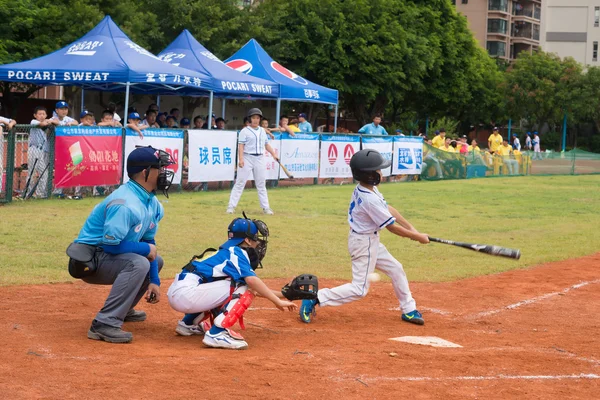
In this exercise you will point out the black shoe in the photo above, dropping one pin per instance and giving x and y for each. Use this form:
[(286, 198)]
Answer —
[(135, 316), (100, 331)]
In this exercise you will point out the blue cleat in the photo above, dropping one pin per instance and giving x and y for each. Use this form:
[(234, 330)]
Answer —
[(307, 310), (413, 317)]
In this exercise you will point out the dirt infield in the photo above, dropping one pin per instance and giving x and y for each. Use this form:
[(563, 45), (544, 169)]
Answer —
[(525, 334)]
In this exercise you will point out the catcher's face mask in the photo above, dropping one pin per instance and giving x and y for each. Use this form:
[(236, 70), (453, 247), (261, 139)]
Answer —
[(165, 176), (256, 254)]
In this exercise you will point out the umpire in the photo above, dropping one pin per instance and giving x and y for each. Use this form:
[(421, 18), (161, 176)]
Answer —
[(116, 244)]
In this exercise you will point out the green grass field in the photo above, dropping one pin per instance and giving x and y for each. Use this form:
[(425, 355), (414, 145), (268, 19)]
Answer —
[(548, 218)]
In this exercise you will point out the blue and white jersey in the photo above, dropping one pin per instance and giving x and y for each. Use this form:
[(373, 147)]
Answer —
[(130, 213), (37, 137), (368, 211), (371, 129), (254, 140), (65, 121), (232, 262), (305, 127)]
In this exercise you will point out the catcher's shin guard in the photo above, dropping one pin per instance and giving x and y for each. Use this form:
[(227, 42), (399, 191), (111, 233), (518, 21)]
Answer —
[(235, 310)]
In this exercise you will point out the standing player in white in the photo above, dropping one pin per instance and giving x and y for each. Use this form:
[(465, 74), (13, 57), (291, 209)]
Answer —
[(252, 142), (368, 214)]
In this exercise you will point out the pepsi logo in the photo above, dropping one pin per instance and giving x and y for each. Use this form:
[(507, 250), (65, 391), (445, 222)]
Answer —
[(348, 153), (240, 65), (288, 74), (332, 154)]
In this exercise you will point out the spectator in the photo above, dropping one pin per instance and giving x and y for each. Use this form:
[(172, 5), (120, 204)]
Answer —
[(440, 139), (516, 142), (61, 118), (38, 150), (528, 145), (304, 125), (135, 122), (494, 141), (113, 108), (220, 123), (87, 118), (537, 150), (264, 123), (198, 122), (154, 107), (212, 121), (399, 132), (151, 119), (171, 123), (108, 119), (474, 154), (448, 146), (161, 119), (506, 152), (185, 123), (175, 113), (374, 128), (429, 159), (463, 146), (284, 127), (294, 125)]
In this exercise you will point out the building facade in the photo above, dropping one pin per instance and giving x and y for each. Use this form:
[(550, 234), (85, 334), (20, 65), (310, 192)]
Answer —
[(504, 27), (572, 29)]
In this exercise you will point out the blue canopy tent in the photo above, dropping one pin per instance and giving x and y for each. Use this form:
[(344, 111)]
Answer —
[(106, 59), (187, 52), (253, 60)]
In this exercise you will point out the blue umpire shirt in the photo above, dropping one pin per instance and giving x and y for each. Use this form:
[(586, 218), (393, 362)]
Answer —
[(371, 129), (130, 213), (230, 262)]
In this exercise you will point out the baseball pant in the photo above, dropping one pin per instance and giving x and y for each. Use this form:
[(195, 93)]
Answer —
[(368, 254), (512, 166), (128, 275), (256, 165), (36, 153)]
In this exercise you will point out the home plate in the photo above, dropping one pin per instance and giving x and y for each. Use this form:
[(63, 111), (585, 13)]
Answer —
[(426, 341)]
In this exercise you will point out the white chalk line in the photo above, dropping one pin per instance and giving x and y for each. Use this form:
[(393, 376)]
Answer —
[(479, 378), (534, 299), (431, 310)]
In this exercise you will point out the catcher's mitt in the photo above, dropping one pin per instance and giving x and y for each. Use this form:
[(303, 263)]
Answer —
[(302, 287)]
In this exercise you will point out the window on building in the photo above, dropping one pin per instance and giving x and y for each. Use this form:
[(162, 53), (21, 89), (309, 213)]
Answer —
[(498, 5), (496, 49), (497, 26), (596, 16), (595, 52), (465, 1)]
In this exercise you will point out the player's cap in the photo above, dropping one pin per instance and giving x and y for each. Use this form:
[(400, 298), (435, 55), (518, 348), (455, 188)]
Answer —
[(535, 133), (85, 113), (398, 130), (255, 111), (528, 133), (238, 230), (302, 115), (515, 135), (62, 104), (437, 132), (185, 121), (495, 128), (464, 136), (134, 115), (143, 157)]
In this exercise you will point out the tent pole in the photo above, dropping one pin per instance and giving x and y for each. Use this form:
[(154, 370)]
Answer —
[(82, 99), (158, 101), (210, 111), (335, 120), (223, 103), (126, 103), (278, 112)]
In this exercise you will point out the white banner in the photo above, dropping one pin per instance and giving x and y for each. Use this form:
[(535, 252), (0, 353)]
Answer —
[(170, 140), (384, 145), (408, 155), (212, 155), (300, 155), (336, 152)]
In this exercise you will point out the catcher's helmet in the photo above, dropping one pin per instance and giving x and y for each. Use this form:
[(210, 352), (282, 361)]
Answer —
[(364, 165), (254, 111)]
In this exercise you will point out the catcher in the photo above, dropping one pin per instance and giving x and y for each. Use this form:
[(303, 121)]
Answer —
[(217, 287)]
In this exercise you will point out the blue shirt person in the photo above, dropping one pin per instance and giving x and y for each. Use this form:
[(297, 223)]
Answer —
[(120, 233), (304, 125), (374, 128)]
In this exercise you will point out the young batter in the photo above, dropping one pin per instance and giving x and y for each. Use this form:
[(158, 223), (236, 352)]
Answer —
[(367, 215)]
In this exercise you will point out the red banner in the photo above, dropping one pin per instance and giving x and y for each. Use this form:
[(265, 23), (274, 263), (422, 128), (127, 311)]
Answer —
[(87, 156)]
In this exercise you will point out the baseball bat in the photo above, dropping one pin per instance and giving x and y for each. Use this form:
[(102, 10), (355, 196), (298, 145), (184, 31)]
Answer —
[(35, 185), (483, 248), (285, 170), (30, 171)]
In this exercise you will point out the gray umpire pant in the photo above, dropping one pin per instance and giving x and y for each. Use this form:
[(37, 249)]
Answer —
[(128, 275)]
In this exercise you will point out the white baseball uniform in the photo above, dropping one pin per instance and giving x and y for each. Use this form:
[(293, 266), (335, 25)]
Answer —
[(368, 214), (254, 141)]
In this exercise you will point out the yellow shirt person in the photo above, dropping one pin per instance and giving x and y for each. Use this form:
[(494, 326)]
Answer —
[(495, 140), (504, 150), (439, 140)]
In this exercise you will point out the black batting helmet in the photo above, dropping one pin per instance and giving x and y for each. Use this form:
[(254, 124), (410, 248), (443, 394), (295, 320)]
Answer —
[(364, 165)]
